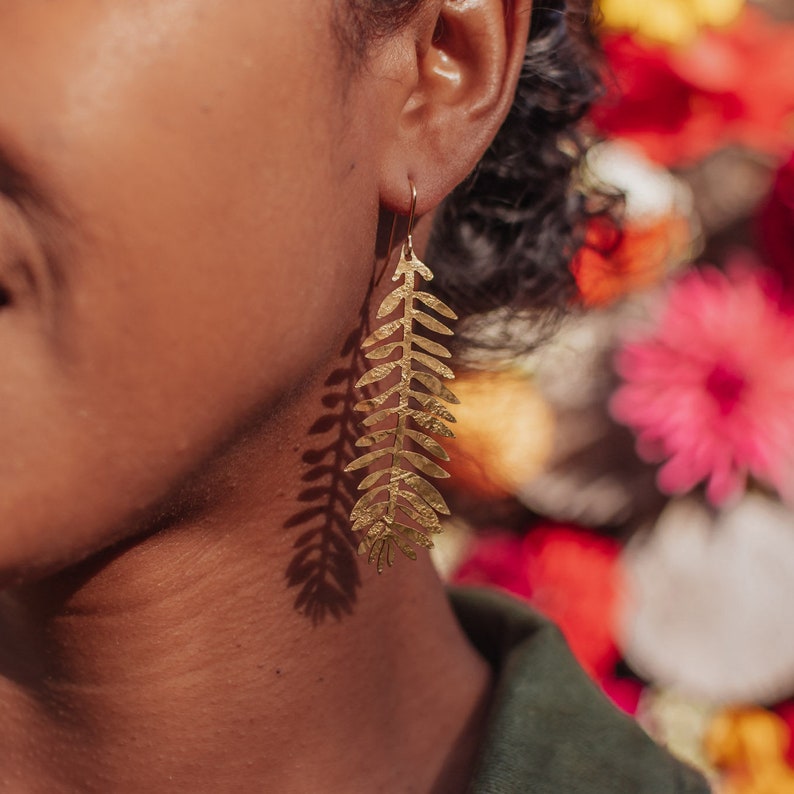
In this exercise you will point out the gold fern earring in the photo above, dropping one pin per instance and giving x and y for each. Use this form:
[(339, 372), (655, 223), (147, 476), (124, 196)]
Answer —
[(400, 508)]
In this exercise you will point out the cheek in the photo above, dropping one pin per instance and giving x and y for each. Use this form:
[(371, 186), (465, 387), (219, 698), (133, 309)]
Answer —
[(209, 267)]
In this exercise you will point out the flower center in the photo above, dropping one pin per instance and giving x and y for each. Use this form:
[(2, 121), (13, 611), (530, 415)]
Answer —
[(726, 386)]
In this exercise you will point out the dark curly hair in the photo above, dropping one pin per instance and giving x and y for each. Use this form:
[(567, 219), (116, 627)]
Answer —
[(506, 236)]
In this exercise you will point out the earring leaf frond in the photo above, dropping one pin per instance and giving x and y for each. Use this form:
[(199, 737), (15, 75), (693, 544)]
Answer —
[(383, 351), (430, 444), (434, 364), (399, 508), (435, 304), (431, 323), (434, 348), (384, 332), (435, 386), (377, 373)]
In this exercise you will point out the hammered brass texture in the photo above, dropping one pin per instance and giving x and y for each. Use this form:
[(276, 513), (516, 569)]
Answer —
[(399, 509)]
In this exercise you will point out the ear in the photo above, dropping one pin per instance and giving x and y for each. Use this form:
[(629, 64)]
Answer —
[(455, 73)]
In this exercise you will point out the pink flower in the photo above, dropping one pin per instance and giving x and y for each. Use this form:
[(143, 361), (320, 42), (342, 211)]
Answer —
[(711, 388)]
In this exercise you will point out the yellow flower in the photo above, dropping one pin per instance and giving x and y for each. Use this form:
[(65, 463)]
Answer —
[(669, 21), (748, 745)]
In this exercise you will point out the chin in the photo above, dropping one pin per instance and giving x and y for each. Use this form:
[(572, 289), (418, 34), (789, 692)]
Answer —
[(42, 533)]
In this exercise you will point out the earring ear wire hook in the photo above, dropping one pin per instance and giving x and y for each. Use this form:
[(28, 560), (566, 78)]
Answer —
[(408, 249), (408, 246)]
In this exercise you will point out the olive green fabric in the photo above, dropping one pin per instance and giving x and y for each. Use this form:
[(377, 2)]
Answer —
[(550, 729)]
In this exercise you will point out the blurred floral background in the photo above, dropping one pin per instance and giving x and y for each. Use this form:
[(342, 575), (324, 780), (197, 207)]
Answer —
[(637, 469)]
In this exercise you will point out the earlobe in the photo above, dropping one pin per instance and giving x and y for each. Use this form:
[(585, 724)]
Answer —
[(465, 66)]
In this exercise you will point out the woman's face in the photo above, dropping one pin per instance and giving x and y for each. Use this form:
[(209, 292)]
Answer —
[(173, 245)]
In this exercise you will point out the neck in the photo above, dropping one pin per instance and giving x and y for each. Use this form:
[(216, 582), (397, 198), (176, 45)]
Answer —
[(243, 648)]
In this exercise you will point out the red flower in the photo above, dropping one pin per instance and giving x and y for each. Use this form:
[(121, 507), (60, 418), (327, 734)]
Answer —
[(730, 86), (776, 224), (625, 693), (567, 573), (786, 712), (497, 561)]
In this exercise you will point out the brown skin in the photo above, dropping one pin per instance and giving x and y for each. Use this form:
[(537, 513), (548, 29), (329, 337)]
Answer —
[(189, 204)]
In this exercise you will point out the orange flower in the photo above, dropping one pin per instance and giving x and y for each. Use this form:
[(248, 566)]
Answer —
[(655, 231), (609, 266), (749, 745), (503, 436)]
